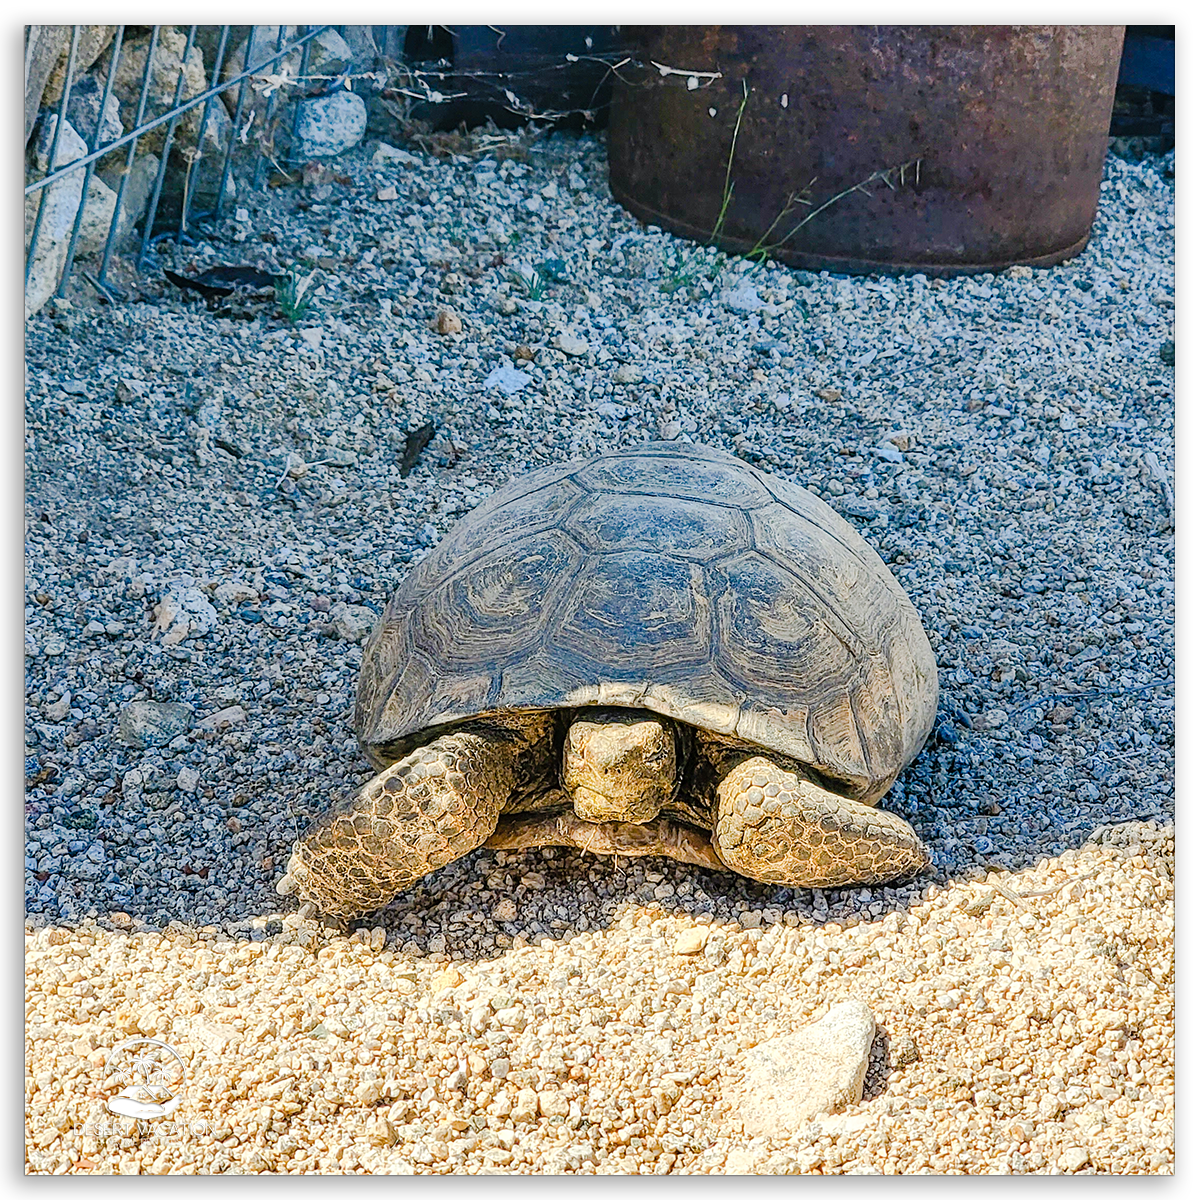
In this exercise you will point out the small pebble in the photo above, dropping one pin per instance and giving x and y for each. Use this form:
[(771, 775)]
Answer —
[(691, 941), (448, 322)]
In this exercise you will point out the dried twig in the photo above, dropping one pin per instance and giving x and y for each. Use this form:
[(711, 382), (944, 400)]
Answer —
[(762, 248), (1058, 887), (1019, 898)]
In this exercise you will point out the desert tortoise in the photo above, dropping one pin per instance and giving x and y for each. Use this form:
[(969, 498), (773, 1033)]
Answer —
[(661, 650)]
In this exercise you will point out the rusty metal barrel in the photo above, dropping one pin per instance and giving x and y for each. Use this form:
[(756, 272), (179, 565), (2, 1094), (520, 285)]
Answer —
[(946, 149)]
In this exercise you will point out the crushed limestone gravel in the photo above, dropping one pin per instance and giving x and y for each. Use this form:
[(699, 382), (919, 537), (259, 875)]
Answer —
[(219, 503)]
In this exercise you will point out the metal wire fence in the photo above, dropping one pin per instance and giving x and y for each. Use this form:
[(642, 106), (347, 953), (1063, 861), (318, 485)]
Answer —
[(257, 60), (422, 76)]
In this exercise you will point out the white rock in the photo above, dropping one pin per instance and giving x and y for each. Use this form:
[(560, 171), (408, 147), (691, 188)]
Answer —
[(839, 1124), (741, 1161), (330, 125), (235, 714), (213, 1035), (744, 299), (553, 1104), (691, 941), (61, 200), (525, 1108), (188, 779), (385, 153), (512, 1017), (570, 344), (507, 378), (352, 622), (234, 591), (1072, 1158), (820, 1069), (627, 373), (183, 612)]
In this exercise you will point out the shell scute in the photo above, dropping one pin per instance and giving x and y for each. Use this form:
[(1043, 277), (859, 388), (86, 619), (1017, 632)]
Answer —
[(668, 577)]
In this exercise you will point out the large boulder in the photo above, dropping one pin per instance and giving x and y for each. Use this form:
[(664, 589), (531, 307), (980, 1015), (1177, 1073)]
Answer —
[(60, 202), (138, 189), (83, 111), (44, 44), (360, 40), (93, 41), (164, 75), (61, 199), (328, 125), (200, 171), (46, 51)]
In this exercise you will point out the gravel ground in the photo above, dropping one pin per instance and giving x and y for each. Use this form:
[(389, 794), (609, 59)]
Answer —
[(215, 497)]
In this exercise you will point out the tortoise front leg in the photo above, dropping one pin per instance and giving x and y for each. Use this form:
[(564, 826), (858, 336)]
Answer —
[(433, 806), (777, 827)]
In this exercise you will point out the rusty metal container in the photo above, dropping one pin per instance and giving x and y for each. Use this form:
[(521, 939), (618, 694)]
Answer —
[(946, 149)]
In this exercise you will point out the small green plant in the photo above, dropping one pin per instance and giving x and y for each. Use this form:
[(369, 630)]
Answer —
[(727, 190), (679, 269), (888, 176), (295, 292), (687, 265), (554, 268), (684, 266), (532, 284)]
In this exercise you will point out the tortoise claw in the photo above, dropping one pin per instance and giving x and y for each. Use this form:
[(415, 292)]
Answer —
[(286, 884)]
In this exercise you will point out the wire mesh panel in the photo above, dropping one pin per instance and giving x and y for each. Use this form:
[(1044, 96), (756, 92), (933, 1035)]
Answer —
[(159, 127), (174, 164)]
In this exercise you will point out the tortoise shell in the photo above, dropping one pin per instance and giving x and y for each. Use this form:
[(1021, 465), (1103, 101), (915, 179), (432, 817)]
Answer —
[(669, 577)]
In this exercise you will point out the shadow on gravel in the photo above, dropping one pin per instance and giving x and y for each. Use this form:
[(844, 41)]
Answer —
[(480, 906), (989, 793)]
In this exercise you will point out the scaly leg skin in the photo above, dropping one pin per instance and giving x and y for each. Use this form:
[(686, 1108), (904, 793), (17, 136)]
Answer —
[(433, 806), (778, 828)]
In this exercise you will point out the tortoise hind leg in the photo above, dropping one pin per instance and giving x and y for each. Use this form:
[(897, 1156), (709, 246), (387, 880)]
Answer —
[(433, 806), (777, 827)]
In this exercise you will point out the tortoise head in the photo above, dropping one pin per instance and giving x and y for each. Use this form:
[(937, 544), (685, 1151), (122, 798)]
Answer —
[(619, 765)]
